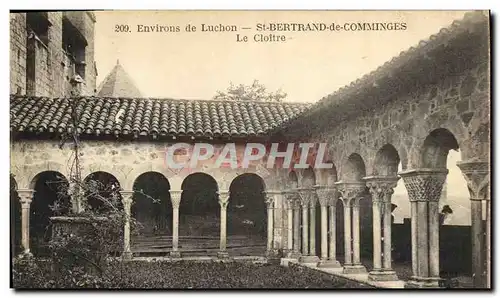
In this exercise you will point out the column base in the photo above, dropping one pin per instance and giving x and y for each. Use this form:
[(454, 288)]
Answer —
[(381, 275), (354, 269), (329, 264), (223, 255), (308, 259), (272, 253), (293, 255), (127, 255), (175, 254), (423, 282), (25, 254)]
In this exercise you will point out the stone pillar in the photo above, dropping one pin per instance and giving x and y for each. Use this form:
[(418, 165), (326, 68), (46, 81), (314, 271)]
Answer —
[(312, 226), (25, 197), (127, 199), (477, 175), (424, 190), (381, 189), (351, 193), (75, 192), (289, 227), (325, 195), (175, 198), (223, 202), (296, 226), (305, 197)]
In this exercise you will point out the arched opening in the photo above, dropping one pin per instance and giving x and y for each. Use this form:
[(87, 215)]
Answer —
[(436, 147), (455, 247), (199, 215), (354, 171), (102, 191), (247, 216), (293, 180), (308, 178), (339, 220), (15, 218), (50, 199), (387, 163), (152, 210)]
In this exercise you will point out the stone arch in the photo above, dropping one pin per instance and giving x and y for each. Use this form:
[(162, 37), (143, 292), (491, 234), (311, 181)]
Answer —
[(247, 215), (327, 176), (435, 148), (199, 213), (354, 168), (102, 192), (147, 167), (152, 207), (50, 199), (118, 174), (386, 161), (308, 178), (293, 180)]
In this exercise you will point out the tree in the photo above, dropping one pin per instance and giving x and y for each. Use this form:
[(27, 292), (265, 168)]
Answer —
[(256, 91)]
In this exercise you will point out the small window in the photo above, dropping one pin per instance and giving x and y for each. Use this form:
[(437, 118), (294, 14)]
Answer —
[(38, 23)]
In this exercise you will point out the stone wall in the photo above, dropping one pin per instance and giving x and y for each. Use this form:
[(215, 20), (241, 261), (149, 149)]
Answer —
[(459, 104), (18, 53), (47, 65)]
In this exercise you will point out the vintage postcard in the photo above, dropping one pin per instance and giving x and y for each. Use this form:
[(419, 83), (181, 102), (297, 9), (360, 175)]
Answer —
[(250, 149)]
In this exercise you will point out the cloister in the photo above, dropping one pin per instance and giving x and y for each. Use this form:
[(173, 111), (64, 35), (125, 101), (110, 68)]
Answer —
[(397, 123)]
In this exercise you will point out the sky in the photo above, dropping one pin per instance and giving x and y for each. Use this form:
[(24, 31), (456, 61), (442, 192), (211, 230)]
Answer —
[(307, 66)]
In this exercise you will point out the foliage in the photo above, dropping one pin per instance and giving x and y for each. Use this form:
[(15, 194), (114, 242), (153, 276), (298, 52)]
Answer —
[(256, 91), (193, 275)]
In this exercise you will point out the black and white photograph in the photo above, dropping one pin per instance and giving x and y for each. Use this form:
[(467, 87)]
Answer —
[(250, 149)]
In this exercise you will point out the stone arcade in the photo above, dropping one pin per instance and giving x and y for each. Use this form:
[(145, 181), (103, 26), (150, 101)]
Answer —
[(409, 112)]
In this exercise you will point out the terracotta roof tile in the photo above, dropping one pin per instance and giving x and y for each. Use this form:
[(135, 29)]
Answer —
[(150, 118)]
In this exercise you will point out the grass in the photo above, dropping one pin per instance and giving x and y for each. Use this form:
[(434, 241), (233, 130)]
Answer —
[(218, 275)]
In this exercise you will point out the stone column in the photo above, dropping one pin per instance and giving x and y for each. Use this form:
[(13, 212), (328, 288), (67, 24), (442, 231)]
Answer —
[(325, 195), (424, 190), (477, 175), (25, 197), (381, 189), (75, 192), (305, 201), (312, 226), (223, 202), (351, 193), (289, 227), (127, 199), (296, 226), (175, 198)]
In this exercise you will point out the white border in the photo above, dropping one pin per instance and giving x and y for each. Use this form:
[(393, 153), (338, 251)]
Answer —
[(191, 4)]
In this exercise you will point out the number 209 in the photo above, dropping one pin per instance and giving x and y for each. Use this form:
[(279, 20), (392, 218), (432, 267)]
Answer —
[(122, 28)]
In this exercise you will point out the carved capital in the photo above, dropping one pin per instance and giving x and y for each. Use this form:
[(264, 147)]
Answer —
[(351, 191), (223, 199), (325, 194), (290, 198), (127, 197), (306, 196), (175, 198), (381, 187), (424, 184), (25, 197), (477, 175)]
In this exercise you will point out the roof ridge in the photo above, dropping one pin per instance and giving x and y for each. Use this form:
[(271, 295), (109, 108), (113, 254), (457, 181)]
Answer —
[(162, 99)]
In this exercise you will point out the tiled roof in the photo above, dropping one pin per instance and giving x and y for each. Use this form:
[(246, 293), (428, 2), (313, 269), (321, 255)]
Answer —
[(118, 84), (150, 118)]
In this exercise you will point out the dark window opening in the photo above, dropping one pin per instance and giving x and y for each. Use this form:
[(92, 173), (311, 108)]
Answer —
[(38, 24), (74, 44)]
